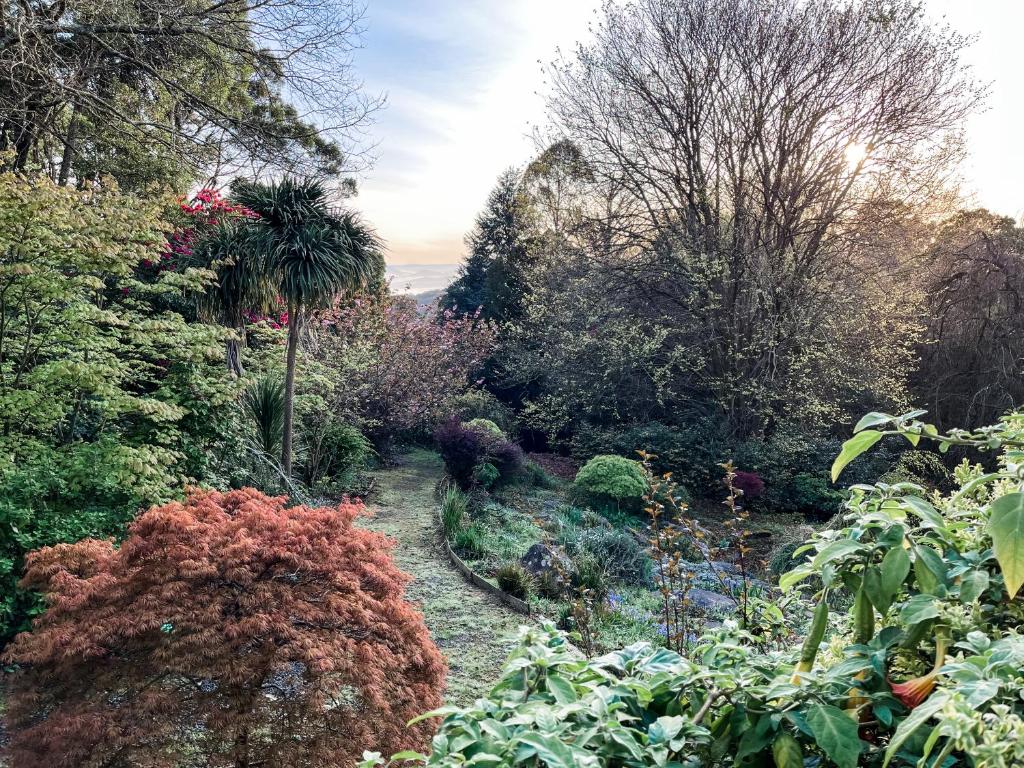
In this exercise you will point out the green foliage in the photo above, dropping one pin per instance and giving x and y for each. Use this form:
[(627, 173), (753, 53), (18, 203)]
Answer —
[(468, 542), (332, 451), (810, 494), (618, 552), (538, 477), (110, 400), (591, 578), (485, 425), (612, 477), (515, 580), (932, 580), (486, 475), (923, 468), (263, 401), (454, 508), (481, 404)]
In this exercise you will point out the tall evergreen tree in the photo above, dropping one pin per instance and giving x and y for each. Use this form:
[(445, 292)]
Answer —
[(493, 277)]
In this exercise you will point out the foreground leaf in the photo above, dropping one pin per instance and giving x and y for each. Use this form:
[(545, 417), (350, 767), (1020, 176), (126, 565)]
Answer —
[(1006, 526)]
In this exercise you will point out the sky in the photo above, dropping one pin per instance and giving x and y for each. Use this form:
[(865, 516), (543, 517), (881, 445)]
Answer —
[(464, 83)]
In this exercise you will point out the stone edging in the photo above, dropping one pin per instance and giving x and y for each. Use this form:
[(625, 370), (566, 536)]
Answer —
[(517, 605)]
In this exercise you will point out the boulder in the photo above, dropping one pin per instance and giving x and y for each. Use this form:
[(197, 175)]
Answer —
[(547, 564), (708, 602)]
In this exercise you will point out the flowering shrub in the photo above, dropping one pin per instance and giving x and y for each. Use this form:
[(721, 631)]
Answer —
[(229, 626), (398, 371)]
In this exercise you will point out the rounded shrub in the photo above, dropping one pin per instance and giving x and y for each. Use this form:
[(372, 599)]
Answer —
[(291, 624), (612, 478), (619, 553), (486, 425)]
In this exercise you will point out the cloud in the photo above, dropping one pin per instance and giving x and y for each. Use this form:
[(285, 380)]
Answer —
[(462, 81), (462, 78)]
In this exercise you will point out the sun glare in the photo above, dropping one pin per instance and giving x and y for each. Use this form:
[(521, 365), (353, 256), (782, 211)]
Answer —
[(855, 154)]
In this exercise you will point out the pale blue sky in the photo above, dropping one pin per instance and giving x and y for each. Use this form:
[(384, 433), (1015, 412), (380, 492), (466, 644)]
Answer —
[(463, 80)]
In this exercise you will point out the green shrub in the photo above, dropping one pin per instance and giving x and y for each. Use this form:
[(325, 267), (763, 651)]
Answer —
[(481, 404), (486, 475), (515, 580), (810, 494), (334, 451), (921, 468), (486, 425), (618, 552), (591, 577), (538, 477), (469, 542), (454, 506), (612, 478)]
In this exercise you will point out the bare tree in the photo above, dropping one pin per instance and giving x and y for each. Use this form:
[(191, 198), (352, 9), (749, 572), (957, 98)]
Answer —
[(205, 83), (972, 361), (752, 144)]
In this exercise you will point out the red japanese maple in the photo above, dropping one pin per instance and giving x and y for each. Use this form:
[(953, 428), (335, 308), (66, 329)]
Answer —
[(229, 628)]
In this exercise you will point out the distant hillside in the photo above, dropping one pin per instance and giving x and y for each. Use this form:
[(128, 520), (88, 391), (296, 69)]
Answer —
[(427, 298), (420, 278)]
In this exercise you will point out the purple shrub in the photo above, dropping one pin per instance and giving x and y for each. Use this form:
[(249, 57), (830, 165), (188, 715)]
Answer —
[(461, 448), (750, 483)]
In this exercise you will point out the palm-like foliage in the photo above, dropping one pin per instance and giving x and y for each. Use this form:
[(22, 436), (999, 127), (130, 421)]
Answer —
[(264, 404), (243, 283), (312, 255)]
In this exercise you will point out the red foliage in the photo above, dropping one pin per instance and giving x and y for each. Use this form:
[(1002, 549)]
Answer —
[(750, 483), (228, 627)]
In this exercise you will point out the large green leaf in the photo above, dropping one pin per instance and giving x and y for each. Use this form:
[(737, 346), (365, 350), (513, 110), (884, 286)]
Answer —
[(879, 596), (917, 609), (835, 550), (895, 567), (873, 419), (786, 751), (973, 584), (930, 570), (836, 734), (917, 717), (1006, 526), (853, 448)]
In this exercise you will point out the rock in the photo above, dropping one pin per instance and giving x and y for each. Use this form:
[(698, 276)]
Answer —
[(725, 567), (710, 602), (547, 564)]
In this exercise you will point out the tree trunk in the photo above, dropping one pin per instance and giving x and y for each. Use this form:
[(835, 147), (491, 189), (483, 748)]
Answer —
[(69, 148), (294, 319), (233, 351)]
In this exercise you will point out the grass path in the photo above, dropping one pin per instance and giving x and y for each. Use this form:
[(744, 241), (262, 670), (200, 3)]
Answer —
[(473, 630)]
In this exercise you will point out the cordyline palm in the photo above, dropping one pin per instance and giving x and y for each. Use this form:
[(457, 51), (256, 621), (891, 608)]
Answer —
[(243, 284), (313, 256)]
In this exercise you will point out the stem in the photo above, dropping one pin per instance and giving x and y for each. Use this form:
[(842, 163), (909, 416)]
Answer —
[(294, 319)]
